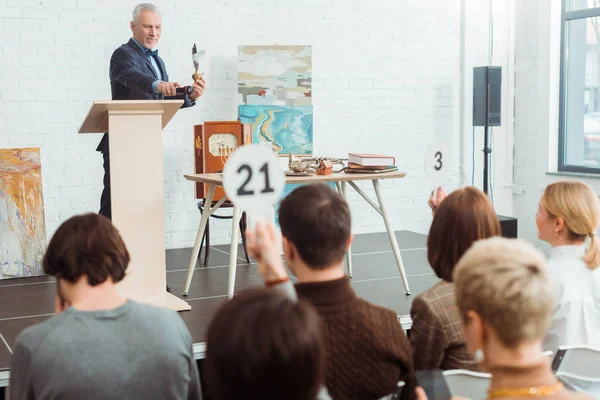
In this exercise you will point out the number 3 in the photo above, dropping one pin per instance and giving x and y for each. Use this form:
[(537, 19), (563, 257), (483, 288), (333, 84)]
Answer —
[(242, 191), (438, 158)]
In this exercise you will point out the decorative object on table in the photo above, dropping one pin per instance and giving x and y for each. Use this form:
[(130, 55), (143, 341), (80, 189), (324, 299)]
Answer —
[(275, 96), (325, 167), (214, 141), (22, 226), (309, 165)]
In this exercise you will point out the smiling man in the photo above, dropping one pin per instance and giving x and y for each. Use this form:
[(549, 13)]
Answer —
[(138, 73)]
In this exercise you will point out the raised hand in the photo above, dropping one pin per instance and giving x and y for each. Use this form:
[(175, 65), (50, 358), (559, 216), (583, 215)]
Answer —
[(199, 88), (263, 246), (436, 199)]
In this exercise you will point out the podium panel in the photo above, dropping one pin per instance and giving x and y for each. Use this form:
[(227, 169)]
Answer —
[(136, 175)]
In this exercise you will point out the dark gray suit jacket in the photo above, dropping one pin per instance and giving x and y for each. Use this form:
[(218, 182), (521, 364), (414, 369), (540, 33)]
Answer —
[(131, 78)]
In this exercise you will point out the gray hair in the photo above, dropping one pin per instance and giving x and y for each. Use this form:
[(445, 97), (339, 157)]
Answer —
[(143, 6)]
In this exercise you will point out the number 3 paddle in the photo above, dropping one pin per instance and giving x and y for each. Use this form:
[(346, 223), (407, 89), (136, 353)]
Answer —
[(438, 162)]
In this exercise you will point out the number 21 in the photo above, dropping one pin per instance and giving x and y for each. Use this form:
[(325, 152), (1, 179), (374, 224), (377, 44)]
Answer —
[(242, 191)]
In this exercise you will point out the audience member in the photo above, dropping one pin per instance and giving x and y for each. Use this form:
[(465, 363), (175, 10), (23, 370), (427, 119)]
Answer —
[(569, 212), (367, 352), (100, 345), (505, 299), (464, 216), (262, 345)]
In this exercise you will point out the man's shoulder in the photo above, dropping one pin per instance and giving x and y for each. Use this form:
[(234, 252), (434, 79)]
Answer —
[(156, 311), (124, 49), (34, 335), (168, 318), (382, 316)]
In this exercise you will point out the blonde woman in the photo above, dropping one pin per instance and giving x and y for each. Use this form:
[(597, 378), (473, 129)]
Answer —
[(505, 299), (568, 216)]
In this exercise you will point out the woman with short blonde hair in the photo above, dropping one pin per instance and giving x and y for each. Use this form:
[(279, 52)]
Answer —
[(505, 299), (569, 213)]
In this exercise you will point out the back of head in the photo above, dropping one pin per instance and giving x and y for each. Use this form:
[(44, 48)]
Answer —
[(86, 245), (261, 345), (506, 283), (465, 216), (316, 219), (579, 207)]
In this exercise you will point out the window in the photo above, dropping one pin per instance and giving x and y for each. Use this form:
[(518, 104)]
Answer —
[(579, 136)]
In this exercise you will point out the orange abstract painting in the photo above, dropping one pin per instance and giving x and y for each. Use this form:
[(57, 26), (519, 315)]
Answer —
[(22, 227)]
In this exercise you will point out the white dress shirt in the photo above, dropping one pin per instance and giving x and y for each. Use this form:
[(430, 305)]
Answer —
[(576, 316)]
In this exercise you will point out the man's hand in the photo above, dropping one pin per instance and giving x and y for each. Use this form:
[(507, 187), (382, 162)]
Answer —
[(168, 88), (262, 245), (199, 88), (436, 200)]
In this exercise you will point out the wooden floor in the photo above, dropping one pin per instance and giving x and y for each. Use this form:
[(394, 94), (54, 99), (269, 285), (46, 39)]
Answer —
[(27, 301)]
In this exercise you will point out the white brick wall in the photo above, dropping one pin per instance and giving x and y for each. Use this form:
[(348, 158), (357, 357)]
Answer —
[(536, 107), (387, 78)]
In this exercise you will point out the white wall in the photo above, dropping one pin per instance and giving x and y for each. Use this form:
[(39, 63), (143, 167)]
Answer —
[(388, 76), (536, 108)]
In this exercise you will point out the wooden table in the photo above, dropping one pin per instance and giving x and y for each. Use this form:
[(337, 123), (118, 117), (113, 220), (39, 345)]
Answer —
[(340, 179)]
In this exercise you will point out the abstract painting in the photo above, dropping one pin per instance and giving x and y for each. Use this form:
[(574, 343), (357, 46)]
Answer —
[(275, 97), (287, 129), (275, 75), (22, 226)]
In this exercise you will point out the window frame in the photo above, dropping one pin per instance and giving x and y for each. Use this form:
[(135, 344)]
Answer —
[(567, 16)]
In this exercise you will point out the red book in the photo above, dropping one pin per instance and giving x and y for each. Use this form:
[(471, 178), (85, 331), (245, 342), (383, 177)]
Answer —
[(371, 159)]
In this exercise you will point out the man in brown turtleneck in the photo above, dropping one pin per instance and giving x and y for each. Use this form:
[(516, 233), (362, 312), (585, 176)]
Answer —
[(367, 352)]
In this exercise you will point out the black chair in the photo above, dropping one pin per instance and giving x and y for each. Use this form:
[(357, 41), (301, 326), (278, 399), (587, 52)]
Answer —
[(206, 234)]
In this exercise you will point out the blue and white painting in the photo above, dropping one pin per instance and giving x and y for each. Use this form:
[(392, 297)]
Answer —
[(286, 129)]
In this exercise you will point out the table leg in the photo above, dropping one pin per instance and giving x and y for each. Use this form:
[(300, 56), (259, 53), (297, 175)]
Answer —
[(349, 251), (196, 249), (391, 235), (233, 249)]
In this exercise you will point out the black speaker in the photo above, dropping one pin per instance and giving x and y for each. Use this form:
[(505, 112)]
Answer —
[(487, 96), (508, 225)]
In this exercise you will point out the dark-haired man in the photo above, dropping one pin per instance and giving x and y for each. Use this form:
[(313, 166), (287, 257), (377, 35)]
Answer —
[(100, 345), (367, 350)]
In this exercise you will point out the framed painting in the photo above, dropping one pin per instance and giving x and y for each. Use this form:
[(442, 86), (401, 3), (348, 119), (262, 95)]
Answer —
[(22, 224)]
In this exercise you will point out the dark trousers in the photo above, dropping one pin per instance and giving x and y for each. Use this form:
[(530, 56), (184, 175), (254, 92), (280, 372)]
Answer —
[(105, 206)]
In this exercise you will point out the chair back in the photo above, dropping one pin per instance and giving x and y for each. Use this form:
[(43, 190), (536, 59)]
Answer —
[(468, 384), (576, 383), (396, 395), (578, 360)]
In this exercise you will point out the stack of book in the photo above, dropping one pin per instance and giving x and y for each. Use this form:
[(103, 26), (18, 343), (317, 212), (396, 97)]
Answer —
[(370, 163)]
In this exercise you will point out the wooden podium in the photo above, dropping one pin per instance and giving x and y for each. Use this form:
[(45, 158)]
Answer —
[(136, 176)]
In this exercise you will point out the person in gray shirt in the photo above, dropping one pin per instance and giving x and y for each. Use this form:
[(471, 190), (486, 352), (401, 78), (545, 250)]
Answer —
[(100, 345)]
